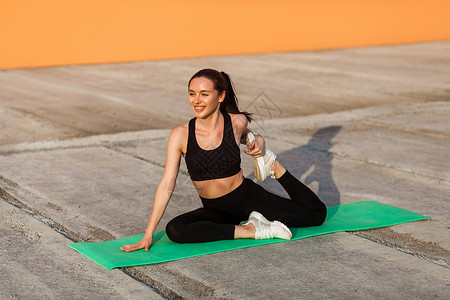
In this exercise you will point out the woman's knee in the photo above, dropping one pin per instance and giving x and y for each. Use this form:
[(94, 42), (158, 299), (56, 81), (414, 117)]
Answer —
[(174, 231), (311, 218), (320, 215)]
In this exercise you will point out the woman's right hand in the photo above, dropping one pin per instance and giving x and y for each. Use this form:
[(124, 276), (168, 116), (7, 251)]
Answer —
[(144, 243)]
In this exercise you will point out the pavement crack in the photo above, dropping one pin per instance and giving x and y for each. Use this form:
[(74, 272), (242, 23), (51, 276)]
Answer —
[(406, 243), (191, 285), (48, 149), (134, 155), (99, 233), (194, 288), (156, 285), (81, 143), (398, 169), (415, 132), (10, 199), (185, 287), (139, 157)]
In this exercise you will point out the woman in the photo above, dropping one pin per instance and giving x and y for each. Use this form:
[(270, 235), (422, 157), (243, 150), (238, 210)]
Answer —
[(210, 145)]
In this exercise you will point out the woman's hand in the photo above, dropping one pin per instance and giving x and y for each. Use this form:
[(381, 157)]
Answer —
[(144, 243), (257, 148)]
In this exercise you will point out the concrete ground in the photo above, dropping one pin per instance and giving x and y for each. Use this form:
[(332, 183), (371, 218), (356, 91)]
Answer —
[(82, 151)]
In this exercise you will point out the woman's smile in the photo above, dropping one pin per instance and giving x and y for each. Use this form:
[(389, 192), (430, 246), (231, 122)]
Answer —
[(199, 108)]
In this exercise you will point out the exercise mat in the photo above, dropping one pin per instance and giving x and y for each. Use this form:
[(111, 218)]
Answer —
[(347, 217)]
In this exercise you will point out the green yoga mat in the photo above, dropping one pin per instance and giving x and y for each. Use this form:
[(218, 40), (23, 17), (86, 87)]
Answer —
[(346, 217)]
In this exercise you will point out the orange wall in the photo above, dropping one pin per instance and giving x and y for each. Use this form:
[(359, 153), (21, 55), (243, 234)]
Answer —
[(58, 32)]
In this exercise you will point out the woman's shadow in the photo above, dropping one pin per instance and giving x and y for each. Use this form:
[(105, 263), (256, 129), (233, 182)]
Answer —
[(312, 164)]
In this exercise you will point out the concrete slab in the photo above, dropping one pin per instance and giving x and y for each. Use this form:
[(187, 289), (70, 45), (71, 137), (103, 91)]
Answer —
[(36, 264)]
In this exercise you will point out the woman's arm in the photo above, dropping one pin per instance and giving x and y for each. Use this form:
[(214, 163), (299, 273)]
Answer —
[(164, 190), (240, 124), (258, 147)]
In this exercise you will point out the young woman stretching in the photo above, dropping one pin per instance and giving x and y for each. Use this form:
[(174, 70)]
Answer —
[(209, 144)]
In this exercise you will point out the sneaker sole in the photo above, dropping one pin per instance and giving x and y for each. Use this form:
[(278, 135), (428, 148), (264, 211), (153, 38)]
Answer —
[(260, 169), (259, 166)]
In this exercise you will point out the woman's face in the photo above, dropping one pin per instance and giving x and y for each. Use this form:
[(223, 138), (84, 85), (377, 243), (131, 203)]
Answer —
[(203, 98)]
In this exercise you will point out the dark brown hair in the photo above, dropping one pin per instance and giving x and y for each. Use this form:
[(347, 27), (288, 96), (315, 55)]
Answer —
[(222, 82)]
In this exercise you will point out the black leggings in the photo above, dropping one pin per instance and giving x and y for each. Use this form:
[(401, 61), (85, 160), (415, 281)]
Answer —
[(217, 218)]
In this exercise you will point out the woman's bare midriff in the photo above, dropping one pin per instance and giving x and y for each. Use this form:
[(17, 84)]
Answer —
[(216, 188)]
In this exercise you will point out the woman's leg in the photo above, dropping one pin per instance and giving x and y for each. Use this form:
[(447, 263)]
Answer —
[(303, 208), (202, 225), (298, 192)]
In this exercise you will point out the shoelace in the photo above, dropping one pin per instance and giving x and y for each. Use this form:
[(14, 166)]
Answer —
[(265, 231)]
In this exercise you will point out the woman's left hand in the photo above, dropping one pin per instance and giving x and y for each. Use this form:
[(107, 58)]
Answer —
[(257, 148)]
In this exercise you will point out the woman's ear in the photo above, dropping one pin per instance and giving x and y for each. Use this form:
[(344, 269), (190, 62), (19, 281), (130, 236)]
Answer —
[(222, 96)]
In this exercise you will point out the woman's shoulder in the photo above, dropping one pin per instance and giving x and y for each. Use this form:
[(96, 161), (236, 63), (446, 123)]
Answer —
[(181, 130), (180, 134), (239, 120)]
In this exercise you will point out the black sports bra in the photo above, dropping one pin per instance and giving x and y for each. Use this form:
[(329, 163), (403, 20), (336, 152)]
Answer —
[(223, 161)]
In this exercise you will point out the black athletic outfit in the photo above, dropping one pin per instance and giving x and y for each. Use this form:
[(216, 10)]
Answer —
[(217, 218)]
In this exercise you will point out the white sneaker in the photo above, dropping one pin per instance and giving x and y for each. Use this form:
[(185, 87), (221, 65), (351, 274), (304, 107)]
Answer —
[(263, 164), (266, 229)]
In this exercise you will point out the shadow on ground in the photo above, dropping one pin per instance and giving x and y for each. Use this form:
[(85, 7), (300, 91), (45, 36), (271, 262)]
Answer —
[(312, 164)]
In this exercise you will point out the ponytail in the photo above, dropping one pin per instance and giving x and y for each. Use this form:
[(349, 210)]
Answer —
[(222, 82), (230, 103)]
